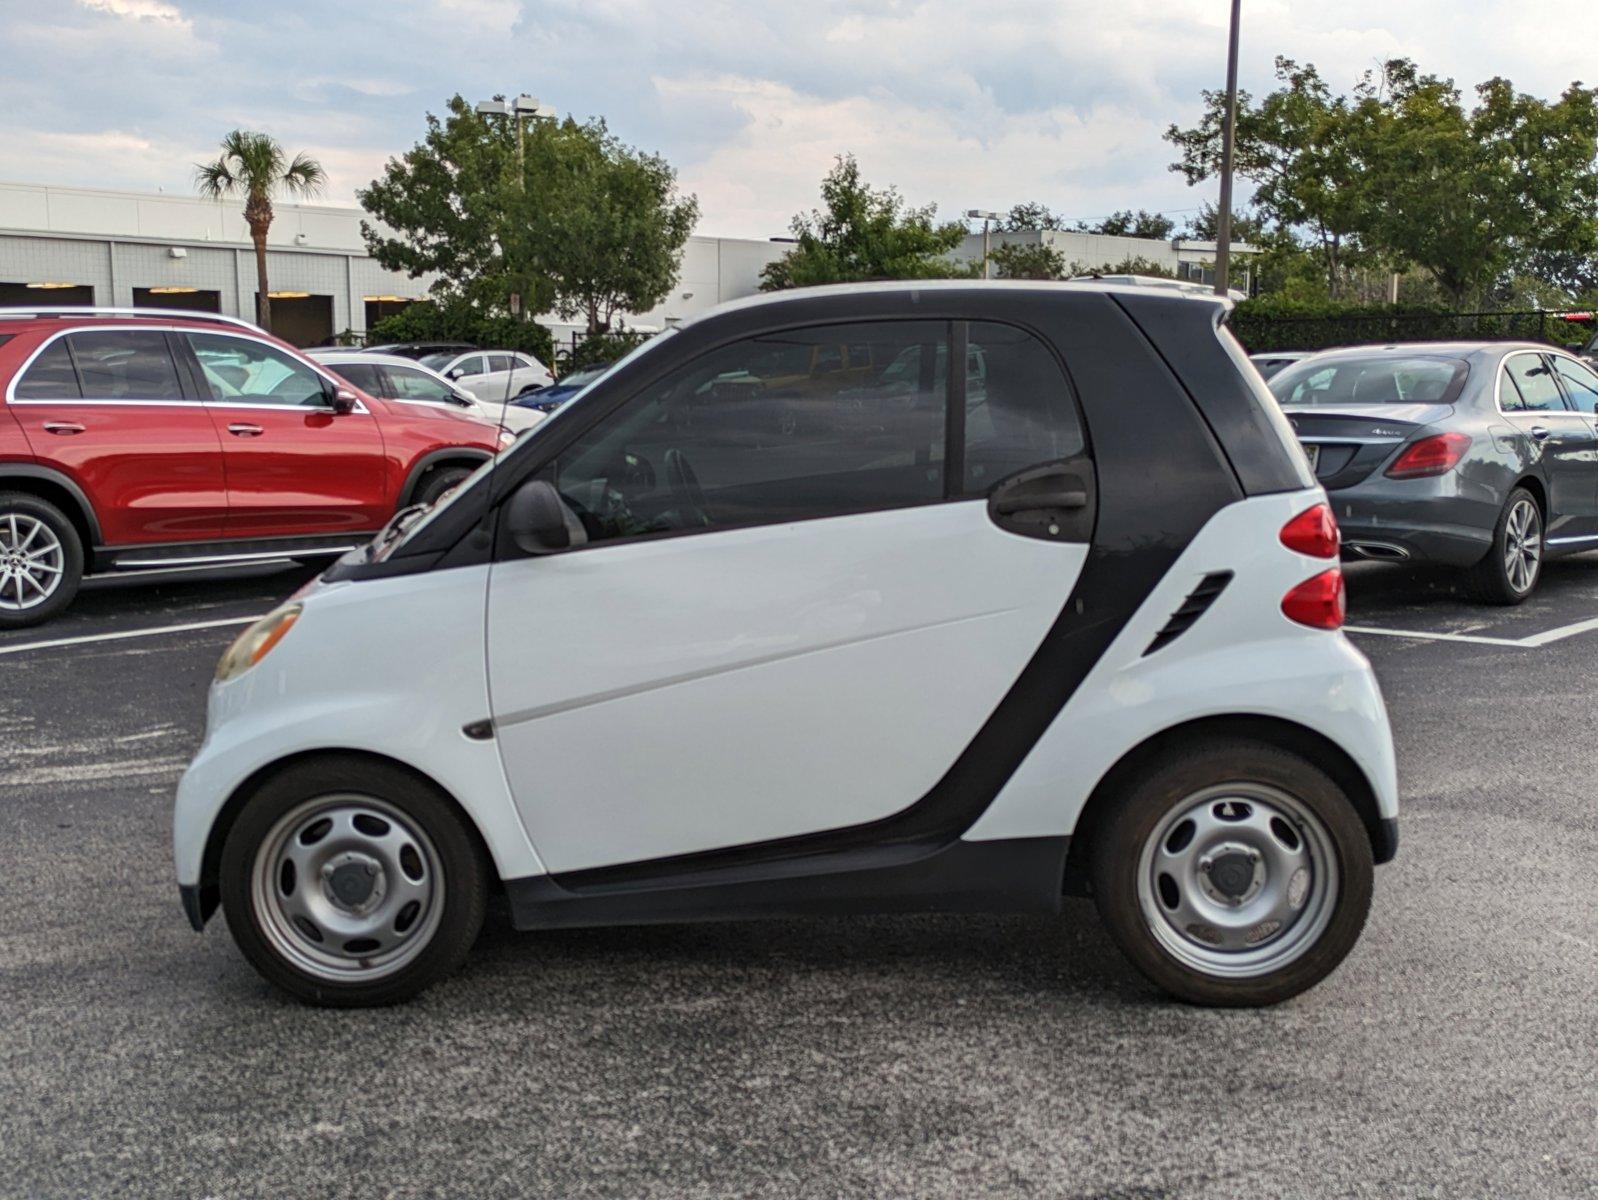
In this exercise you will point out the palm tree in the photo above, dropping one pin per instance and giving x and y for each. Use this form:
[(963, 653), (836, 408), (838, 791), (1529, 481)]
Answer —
[(254, 166)]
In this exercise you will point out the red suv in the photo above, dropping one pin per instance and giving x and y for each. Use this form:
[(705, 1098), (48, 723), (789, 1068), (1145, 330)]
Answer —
[(140, 438)]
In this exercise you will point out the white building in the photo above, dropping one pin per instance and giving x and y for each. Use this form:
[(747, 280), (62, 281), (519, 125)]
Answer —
[(1185, 259), (69, 245)]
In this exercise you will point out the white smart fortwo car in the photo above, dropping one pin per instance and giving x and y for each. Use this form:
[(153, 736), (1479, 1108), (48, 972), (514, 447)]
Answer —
[(787, 617)]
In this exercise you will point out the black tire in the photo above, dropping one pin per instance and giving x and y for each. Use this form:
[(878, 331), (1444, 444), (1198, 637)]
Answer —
[(438, 481), (462, 892), (69, 561), (1170, 781), (1490, 579)]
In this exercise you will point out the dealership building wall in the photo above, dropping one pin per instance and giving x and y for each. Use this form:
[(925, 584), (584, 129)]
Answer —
[(64, 245)]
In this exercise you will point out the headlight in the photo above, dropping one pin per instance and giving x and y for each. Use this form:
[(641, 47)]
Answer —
[(256, 642), (506, 437)]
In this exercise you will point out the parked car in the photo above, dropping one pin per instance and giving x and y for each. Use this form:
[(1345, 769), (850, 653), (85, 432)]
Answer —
[(395, 377), (405, 381), (420, 350), (493, 376), (546, 399), (972, 664), (1269, 363), (1476, 455), (151, 438)]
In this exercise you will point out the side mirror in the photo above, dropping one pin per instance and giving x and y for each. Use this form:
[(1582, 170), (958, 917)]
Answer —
[(1575, 347), (537, 520), (339, 399), (455, 373)]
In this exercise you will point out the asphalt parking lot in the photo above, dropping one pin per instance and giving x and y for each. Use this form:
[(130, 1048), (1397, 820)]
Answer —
[(1454, 1054)]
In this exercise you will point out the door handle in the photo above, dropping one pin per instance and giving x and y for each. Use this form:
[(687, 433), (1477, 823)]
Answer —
[(1539, 432), (1032, 501), (242, 430), (63, 428)]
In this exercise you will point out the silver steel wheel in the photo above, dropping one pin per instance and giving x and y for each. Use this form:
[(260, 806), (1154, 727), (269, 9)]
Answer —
[(347, 888), (1238, 880), (32, 562), (1523, 545)]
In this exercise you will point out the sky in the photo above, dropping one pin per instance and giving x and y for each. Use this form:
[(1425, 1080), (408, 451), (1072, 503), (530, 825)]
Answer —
[(971, 104)]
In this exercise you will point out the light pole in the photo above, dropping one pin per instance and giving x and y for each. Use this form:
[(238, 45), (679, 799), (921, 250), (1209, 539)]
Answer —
[(523, 108), (975, 214), (1223, 219)]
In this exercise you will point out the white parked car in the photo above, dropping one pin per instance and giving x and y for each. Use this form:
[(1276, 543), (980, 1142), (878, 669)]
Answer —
[(413, 381), (927, 652), (493, 376)]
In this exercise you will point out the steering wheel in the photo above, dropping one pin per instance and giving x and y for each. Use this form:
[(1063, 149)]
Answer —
[(686, 493)]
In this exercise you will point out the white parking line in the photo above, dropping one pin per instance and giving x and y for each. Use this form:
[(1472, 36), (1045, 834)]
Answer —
[(132, 633), (1530, 642)]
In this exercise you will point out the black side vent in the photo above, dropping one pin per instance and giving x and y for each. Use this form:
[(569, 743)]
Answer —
[(1194, 607)]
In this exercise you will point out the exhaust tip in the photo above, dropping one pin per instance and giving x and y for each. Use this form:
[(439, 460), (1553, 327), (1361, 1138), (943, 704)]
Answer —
[(1380, 551)]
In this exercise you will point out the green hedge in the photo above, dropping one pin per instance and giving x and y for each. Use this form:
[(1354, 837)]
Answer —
[(427, 321), (1269, 324)]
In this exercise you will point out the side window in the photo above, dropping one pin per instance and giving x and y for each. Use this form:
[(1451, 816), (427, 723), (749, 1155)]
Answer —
[(472, 364), (1019, 410), (500, 362), (411, 384), (50, 376), (1581, 385), (243, 371), (125, 364), (366, 376), (1535, 382), (762, 431)]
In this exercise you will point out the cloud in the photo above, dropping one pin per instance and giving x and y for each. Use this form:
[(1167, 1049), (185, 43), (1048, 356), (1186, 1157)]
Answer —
[(140, 10), (1062, 101)]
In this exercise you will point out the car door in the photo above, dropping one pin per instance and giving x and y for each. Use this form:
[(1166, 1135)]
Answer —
[(294, 466), (1581, 393), (764, 637), (470, 371), (110, 408), (526, 372), (1560, 439)]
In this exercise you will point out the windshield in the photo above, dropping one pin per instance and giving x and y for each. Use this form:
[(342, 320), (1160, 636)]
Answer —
[(1376, 379), (437, 362), (473, 481)]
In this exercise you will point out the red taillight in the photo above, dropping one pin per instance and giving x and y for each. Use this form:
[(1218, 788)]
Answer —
[(1319, 602), (1312, 532), (1433, 455)]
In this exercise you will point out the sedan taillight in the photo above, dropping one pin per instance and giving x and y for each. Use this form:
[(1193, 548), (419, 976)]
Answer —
[(1435, 455)]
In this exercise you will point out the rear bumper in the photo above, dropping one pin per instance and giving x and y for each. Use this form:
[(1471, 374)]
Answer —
[(1421, 521)]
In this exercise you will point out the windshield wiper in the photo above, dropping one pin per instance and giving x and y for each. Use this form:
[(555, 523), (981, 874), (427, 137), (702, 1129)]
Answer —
[(395, 529)]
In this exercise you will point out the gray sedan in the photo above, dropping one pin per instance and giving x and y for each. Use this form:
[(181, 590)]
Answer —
[(1478, 455)]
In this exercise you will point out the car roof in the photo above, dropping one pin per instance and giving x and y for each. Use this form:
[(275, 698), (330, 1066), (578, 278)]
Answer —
[(1433, 349), (948, 287), (351, 357), (69, 316)]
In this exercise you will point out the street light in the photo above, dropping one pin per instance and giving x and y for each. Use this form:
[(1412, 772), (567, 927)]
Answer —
[(976, 214), (523, 108), (1223, 220)]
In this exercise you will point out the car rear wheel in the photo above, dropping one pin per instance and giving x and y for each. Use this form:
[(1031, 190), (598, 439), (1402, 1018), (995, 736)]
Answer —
[(41, 560), (1233, 874), (351, 884), (1510, 571)]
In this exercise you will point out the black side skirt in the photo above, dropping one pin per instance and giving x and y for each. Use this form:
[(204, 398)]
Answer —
[(1013, 875)]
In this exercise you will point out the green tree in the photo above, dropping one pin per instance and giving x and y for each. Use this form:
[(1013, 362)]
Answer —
[(254, 166), (1028, 260), (1139, 224), (865, 233), (569, 219), (1474, 195), (1030, 216), (1295, 147)]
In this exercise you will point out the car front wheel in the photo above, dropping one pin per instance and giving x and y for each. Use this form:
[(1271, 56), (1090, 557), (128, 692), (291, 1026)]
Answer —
[(350, 883), (1234, 874)]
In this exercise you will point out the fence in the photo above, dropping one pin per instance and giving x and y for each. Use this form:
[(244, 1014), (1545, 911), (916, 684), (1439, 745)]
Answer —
[(1263, 332)]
